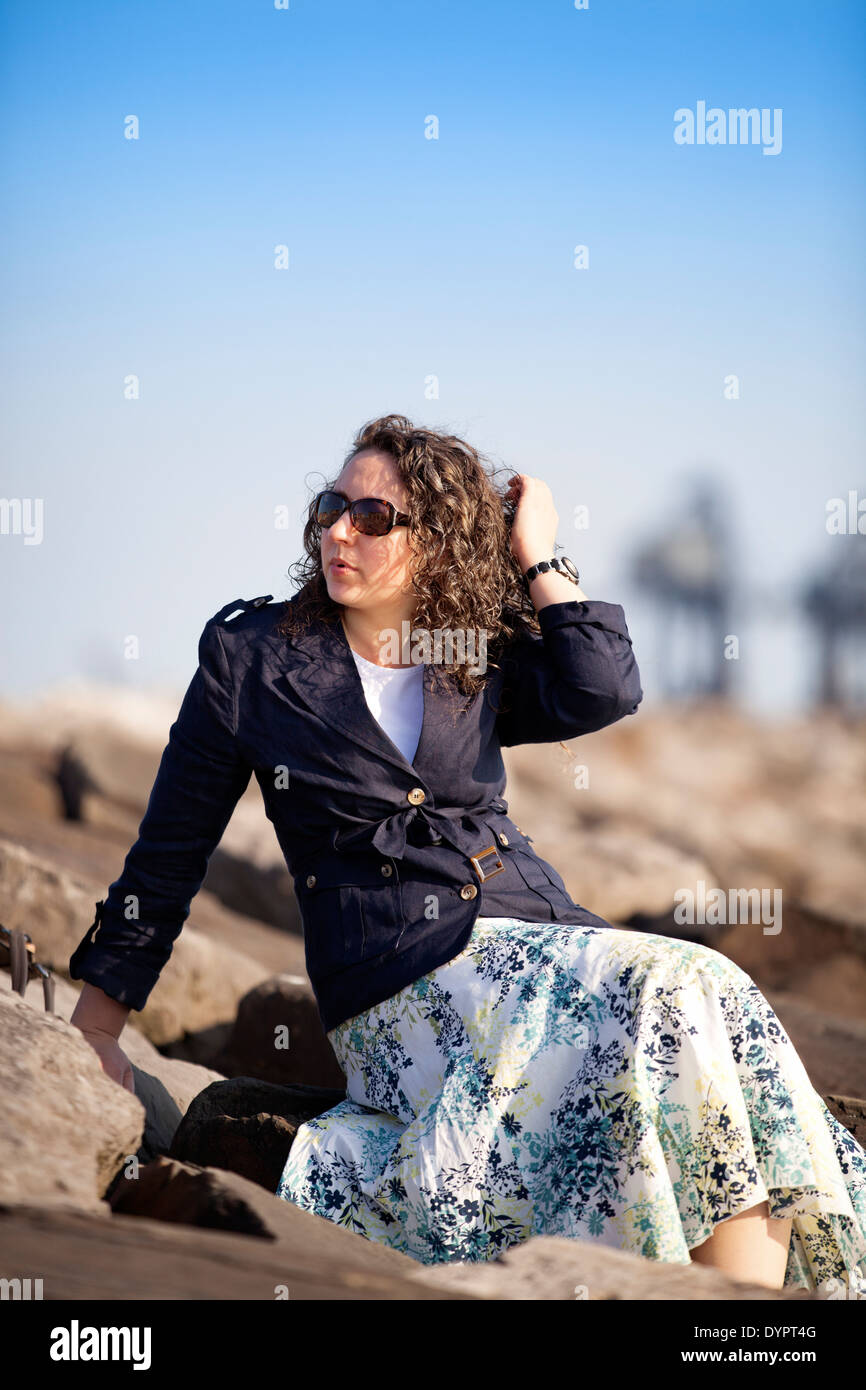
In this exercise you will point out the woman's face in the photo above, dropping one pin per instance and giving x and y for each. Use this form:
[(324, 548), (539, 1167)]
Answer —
[(381, 565)]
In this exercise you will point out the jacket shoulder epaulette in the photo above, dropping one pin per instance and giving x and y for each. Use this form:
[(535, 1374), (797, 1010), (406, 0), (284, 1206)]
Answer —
[(238, 606)]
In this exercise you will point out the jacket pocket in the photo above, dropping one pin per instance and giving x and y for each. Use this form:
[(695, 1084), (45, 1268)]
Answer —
[(352, 914), (538, 875)]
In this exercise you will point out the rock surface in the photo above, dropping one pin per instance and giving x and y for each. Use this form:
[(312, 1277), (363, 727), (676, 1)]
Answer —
[(65, 1127), (280, 1011), (164, 1086), (80, 1256)]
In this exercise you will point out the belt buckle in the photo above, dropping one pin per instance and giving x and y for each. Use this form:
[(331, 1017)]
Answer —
[(481, 855)]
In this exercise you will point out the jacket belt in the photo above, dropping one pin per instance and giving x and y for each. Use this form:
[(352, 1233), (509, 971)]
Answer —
[(465, 830)]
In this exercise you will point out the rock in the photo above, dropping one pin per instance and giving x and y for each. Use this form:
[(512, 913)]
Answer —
[(182, 1080), (112, 764), (556, 1268), (94, 851), (247, 871), (254, 1146), (168, 1190), (620, 875), (198, 988), (747, 796), (177, 1082), (28, 789), (832, 1050), (832, 884), (164, 1086), (65, 1127), (283, 1007), (818, 959), (273, 949), (113, 769), (247, 1126), (133, 1258)]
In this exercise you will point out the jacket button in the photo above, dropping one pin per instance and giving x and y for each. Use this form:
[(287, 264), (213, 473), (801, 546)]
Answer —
[(503, 838), (311, 880), (416, 796), (468, 890), (386, 870)]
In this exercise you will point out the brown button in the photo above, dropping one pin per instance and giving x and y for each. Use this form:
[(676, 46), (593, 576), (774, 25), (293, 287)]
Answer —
[(503, 838), (416, 796), (468, 890), (386, 870), (311, 880)]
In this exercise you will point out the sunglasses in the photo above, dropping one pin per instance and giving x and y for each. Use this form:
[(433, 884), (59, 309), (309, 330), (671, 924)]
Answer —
[(370, 515)]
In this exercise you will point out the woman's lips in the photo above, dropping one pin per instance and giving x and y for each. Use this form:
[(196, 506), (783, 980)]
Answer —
[(340, 567)]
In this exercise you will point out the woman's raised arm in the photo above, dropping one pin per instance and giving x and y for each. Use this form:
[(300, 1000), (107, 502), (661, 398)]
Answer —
[(579, 675)]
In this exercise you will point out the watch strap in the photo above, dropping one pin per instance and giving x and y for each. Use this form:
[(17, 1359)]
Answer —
[(562, 565)]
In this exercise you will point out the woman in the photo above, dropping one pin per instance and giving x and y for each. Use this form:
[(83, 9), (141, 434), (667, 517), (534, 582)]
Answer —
[(514, 1065)]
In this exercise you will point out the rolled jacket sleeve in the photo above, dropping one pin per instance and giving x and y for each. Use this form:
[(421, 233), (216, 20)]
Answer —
[(579, 675), (200, 778)]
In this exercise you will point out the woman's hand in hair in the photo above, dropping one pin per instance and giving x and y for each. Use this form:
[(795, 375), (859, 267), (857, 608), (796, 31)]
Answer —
[(533, 532)]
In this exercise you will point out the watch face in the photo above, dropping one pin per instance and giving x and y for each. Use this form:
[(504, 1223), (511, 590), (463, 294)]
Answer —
[(570, 566)]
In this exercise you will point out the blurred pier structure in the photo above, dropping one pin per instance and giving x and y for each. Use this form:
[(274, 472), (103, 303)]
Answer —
[(712, 635), (835, 604), (686, 573)]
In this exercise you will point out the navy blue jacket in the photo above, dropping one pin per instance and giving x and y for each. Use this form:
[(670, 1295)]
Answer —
[(392, 861)]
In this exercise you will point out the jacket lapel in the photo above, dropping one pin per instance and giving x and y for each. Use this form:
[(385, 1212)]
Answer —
[(318, 666)]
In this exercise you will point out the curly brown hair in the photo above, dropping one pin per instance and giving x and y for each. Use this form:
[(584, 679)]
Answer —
[(466, 576)]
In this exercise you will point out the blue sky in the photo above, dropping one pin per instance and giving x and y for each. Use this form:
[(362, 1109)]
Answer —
[(410, 258)]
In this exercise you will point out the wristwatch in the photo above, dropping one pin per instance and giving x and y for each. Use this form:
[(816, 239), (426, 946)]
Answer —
[(560, 563)]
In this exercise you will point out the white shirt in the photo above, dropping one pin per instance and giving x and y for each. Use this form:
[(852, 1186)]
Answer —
[(395, 696)]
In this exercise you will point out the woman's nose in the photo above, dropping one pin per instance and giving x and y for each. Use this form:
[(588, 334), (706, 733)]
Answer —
[(342, 527)]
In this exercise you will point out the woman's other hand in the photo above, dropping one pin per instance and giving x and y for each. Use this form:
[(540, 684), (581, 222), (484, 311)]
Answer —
[(115, 1062), (101, 1019)]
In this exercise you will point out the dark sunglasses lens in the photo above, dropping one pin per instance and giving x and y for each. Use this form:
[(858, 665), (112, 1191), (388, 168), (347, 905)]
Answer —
[(329, 507), (371, 517)]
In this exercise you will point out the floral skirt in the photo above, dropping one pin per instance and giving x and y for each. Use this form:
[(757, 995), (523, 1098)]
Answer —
[(621, 1087)]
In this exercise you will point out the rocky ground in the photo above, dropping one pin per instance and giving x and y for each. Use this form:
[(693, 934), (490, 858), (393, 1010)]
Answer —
[(629, 816)]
